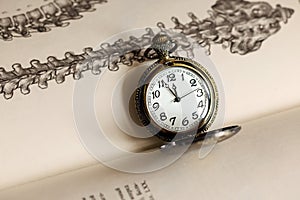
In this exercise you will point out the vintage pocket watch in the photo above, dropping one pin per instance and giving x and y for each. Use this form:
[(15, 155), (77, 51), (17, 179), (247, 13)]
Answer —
[(177, 97)]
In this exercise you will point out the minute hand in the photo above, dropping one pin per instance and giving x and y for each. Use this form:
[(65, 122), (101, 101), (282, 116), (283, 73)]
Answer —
[(188, 93)]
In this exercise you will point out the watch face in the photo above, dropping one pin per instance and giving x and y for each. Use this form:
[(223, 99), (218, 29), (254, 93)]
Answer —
[(178, 99)]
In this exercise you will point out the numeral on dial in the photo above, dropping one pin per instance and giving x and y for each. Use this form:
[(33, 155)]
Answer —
[(163, 116), (155, 106), (171, 77), (185, 121), (162, 83), (195, 115), (193, 83), (156, 94), (172, 120), (199, 93), (200, 105)]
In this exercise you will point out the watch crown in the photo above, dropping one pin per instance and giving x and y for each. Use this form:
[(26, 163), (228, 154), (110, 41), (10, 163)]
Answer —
[(163, 45)]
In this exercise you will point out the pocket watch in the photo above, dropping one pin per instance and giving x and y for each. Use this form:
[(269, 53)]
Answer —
[(176, 98)]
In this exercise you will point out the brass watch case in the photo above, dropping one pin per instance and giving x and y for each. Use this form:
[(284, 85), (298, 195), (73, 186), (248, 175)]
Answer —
[(140, 98)]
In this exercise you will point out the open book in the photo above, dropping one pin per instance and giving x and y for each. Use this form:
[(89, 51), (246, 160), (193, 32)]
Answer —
[(259, 163), (258, 66)]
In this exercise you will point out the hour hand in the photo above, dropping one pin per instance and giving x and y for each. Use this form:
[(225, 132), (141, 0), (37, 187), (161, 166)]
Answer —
[(177, 99), (174, 88), (167, 86)]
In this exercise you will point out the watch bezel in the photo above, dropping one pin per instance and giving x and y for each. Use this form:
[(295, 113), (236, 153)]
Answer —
[(140, 98)]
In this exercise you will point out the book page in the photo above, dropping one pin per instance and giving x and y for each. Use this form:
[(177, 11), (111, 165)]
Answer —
[(38, 135), (259, 163)]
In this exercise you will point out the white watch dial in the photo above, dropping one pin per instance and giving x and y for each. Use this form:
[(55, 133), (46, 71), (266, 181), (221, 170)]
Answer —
[(177, 99)]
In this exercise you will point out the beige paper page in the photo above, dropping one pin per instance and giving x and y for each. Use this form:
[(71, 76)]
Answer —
[(38, 136), (259, 163)]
